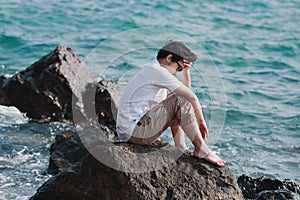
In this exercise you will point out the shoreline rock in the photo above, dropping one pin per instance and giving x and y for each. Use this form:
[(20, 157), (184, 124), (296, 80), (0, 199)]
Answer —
[(59, 87), (67, 153), (266, 188), (3, 98), (44, 90), (85, 177)]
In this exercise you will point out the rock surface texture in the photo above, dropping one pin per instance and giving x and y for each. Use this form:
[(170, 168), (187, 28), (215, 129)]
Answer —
[(80, 176), (56, 88), (268, 189), (3, 98)]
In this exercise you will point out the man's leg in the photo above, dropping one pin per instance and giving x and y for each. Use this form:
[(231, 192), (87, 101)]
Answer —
[(159, 118), (187, 119), (178, 136), (201, 150), (156, 121)]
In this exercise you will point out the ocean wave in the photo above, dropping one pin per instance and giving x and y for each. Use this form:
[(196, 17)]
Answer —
[(292, 148), (264, 94), (24, 172), (292, 100), (269, 64), (291, 123), (17, 158), (10, 41), (233, 116), (262, 73), (289, 79), (11, 115), (284, 50)]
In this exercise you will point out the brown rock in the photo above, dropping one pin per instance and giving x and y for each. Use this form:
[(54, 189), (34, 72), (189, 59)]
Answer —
[(44, 90), (59, 87), (88, 178), (65, 152), (3, 98), (266, 188), (282, 194)]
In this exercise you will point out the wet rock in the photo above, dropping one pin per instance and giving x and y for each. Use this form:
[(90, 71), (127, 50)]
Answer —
[(3, 99), (277, 195), (44, 90), (123, 171), (65, 152), (263, 187), (99, 104), (58, 87)]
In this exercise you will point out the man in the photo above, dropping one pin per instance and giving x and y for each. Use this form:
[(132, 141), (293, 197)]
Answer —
[(146, 109)]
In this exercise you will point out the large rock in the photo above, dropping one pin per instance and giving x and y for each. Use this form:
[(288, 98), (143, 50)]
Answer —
[(282, 194), (44, 90), (81, 176), (98, 102), (266, 188), (55, 87), (65, 152), (3, 99)]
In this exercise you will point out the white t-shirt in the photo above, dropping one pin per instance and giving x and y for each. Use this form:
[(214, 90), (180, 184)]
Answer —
[(146, 89)]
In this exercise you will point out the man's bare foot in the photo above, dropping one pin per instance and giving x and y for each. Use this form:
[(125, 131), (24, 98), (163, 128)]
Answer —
[(181, 148), (211, 157)]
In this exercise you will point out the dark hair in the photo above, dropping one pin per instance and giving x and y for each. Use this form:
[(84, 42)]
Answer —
[(178, 50)]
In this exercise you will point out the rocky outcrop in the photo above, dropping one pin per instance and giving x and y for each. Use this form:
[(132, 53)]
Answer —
[(79, 175), (98, 102), (44, 90), (66, 152), (267, 189), (69, 159), (58, 87), (3, 98)]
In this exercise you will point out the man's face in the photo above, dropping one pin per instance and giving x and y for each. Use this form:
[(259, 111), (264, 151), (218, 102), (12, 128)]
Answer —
[(172, 68), (175, 67), (182, 65)]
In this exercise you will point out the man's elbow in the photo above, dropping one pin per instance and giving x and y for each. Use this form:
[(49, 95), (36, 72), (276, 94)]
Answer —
[(193, 98), (187, 93)]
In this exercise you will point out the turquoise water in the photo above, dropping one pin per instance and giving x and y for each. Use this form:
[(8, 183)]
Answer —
[(255, 45)]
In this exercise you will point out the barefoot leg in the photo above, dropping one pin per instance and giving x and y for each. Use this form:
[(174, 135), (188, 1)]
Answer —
[(201, 149), (178, 136), (211, 157)]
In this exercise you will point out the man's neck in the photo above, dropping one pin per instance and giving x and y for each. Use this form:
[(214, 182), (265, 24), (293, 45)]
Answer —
[(162, 62)]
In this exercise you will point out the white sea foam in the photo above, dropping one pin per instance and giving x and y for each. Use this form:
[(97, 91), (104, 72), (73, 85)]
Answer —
[(11, 115)]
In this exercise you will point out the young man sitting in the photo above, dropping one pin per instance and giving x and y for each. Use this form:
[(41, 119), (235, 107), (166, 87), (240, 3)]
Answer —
[(154, 100)]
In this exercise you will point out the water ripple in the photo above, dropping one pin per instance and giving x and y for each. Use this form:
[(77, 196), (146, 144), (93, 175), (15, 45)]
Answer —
[(254, 44)]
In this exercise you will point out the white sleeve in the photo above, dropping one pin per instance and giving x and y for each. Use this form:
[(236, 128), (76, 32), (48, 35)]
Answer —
[(166, 80)]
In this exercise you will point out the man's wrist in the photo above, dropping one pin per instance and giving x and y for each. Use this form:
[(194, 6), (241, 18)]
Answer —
[(201, 121)]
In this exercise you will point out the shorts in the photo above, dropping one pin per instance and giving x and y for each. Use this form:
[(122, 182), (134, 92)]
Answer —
[(174, 109)]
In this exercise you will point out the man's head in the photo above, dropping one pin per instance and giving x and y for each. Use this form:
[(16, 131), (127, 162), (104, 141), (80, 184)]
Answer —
[(178, 50), (175, 54)]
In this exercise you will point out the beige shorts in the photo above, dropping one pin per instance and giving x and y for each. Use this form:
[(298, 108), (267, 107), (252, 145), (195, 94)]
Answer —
[(174, 109)]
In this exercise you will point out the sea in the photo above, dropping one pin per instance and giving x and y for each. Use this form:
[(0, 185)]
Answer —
[(247, 75)]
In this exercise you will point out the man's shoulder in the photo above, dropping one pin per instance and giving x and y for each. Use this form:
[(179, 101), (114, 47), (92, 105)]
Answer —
[(152, 68)]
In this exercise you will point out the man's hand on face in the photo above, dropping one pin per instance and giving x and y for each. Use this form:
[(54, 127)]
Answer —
[(186, 65)]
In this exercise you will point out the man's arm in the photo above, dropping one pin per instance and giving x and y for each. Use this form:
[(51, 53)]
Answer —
[(192, 98), (186, 79)]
